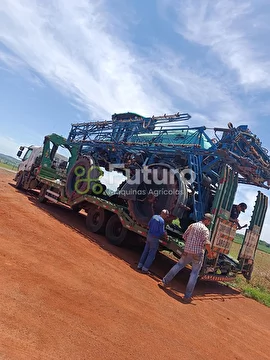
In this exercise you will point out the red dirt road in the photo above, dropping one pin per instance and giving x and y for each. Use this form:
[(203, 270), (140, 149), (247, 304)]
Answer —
[(67, 294)]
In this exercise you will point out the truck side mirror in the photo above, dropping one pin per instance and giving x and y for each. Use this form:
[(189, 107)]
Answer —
[(19, 153)]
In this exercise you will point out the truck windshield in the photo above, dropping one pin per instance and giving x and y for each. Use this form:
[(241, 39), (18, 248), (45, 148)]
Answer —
[(27, 154)]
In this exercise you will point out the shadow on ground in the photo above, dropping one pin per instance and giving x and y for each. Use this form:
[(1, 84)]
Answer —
[(130, 252)]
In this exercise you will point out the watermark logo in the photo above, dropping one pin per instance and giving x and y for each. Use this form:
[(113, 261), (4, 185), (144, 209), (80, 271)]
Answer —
[(150, 192), (89, 180), (155, 175)]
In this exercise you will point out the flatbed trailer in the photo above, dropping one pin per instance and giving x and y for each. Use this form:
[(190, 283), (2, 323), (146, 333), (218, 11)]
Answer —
[(218, 170), (91, 202), (104, 216)]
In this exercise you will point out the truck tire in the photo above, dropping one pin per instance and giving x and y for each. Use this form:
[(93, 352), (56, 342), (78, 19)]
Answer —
[(96, 219), (42, 193), (141, 198), (19, 181), (115, 232)]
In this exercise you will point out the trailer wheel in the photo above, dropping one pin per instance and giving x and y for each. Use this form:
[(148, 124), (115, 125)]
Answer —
[(115, 232), (96, 219), (42, 193)]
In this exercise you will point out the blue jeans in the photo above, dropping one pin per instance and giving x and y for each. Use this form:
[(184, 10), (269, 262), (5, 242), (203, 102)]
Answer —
[(186, 258), (149, 253)]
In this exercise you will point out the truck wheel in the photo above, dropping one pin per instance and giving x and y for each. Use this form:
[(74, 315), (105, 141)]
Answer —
[(42, 193), (96, 219), (19, 182), (115, 232)]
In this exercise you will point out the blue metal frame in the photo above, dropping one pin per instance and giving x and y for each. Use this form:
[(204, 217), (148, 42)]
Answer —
[(165, 139)]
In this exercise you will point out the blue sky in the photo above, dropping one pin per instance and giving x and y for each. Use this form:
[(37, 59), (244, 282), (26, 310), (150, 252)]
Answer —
[(68, 61)]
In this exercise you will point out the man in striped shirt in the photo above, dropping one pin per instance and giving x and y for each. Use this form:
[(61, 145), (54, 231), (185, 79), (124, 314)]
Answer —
[(196, 241)]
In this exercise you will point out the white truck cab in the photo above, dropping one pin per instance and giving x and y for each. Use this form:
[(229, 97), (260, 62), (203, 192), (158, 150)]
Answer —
[(30, 157), (26, 177), (26, 174)]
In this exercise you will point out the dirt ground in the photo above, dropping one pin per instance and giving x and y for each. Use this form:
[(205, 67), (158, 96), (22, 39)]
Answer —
[(67, 294)]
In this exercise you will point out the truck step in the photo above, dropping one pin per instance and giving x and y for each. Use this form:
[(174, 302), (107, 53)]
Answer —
[(52, 196)]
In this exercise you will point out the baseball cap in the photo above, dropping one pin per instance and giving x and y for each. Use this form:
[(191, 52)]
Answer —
[(208, 216), (165, 211), (243, 206)]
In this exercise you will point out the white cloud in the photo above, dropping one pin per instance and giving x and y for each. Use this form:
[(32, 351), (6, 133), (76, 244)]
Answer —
[(75, 47), (14, 64), (70, 45), (11, 61), (8, 146), (234, 31), (201, 90), (248, 195)]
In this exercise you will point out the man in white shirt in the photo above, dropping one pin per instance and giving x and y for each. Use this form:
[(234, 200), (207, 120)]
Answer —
[(196, 242)]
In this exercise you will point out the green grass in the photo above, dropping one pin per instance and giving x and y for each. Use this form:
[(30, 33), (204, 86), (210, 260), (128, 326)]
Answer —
[(258, 287), (260, 295), (8, 166), (263, 245), (257, 292)]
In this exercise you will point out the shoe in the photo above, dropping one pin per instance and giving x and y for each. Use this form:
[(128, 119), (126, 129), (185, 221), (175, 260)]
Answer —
[(147, 272), (186, 300), (162, 285)]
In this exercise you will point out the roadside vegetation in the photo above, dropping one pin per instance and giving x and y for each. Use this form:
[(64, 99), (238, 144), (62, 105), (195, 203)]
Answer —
[(8, 162), (258, 287), (8, 166)]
